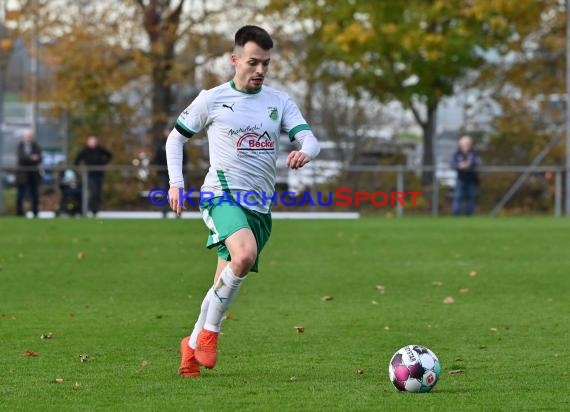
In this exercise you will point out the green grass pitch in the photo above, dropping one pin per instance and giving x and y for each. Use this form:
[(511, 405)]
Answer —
[(126, 292)]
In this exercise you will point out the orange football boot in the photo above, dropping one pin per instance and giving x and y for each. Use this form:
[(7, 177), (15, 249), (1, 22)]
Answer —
[(189, 366), (206, 351)]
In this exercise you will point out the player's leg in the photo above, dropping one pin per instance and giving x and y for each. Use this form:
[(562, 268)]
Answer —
[(242, 248), (243, 251), (189, 366), (205, 304)]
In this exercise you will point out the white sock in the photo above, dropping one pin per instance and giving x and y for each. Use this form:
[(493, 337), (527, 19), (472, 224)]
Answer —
[(224, 292), (201, 318)]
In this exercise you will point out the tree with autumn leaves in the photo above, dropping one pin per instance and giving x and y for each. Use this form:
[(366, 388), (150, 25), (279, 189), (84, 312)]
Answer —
[(123, 67), (415, 52)]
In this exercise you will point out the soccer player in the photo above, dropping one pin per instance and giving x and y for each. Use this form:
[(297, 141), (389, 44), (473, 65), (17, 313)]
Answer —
[(243, 120)]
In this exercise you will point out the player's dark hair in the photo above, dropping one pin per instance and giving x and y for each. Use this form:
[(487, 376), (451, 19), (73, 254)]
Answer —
[(255, 34)]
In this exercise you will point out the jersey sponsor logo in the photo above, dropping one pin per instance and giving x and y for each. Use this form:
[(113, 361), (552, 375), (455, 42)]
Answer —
[(273, 113), (253, 141), (227, 106), (247, 129)]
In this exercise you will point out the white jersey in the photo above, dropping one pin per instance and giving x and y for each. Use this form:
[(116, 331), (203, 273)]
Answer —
[(243, 132)]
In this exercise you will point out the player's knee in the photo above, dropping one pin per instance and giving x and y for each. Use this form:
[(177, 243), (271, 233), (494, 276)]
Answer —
[(242, 262)]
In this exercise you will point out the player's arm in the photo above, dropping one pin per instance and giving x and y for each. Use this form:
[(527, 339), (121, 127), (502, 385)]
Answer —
[(191, 121), (174, 155), (310, 148), (296, 126)]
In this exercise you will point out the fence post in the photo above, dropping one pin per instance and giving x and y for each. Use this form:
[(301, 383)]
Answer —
[(558, 194), (84, 191), (400, 189)]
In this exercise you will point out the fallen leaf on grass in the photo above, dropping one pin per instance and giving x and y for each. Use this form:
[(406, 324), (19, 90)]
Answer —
[(229, 316), (386, 327), (299, 329), (381, 289), (48, 335), (76, 385), (374, 302), (472, 273), (359, 372), (464, 290), (84, 357), (13, 317), (59, 379), (144, 364), (326, 298), (437, 283), (456, 371), (459, 359), (448, 300), (493, 329), (293, 379), (30, 354), (80, 255)]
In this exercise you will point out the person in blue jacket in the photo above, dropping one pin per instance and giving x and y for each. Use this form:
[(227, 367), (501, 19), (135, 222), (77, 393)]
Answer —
[(465, 160)]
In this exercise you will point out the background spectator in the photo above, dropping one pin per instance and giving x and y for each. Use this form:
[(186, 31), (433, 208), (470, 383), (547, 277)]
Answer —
[(94, 155), (465, 161), (28, 179)]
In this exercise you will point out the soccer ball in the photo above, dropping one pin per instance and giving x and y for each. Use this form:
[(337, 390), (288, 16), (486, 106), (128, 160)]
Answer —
[(414, 368)]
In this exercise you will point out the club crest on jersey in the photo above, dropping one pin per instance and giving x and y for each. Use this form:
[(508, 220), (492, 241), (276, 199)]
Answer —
[(253, 141), (273, 113)]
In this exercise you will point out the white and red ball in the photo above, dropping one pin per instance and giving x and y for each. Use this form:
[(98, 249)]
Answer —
[(414, 368)]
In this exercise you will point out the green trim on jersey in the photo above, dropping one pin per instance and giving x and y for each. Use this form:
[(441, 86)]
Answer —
[(179, 123), (223, 180), (233, 86), (297, 129)]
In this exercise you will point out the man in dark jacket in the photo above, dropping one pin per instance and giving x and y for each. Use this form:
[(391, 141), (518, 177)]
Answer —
[(28, 179), (465, 161), (94, 155)]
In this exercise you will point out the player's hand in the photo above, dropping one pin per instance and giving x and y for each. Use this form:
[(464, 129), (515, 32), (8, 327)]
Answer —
[(174, 200), (297, 159)]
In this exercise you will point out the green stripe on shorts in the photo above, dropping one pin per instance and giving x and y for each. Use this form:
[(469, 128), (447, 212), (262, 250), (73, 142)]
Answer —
[(224, 219)]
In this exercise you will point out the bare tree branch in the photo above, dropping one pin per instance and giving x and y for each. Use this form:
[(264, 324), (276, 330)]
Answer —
[(173, 16)]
